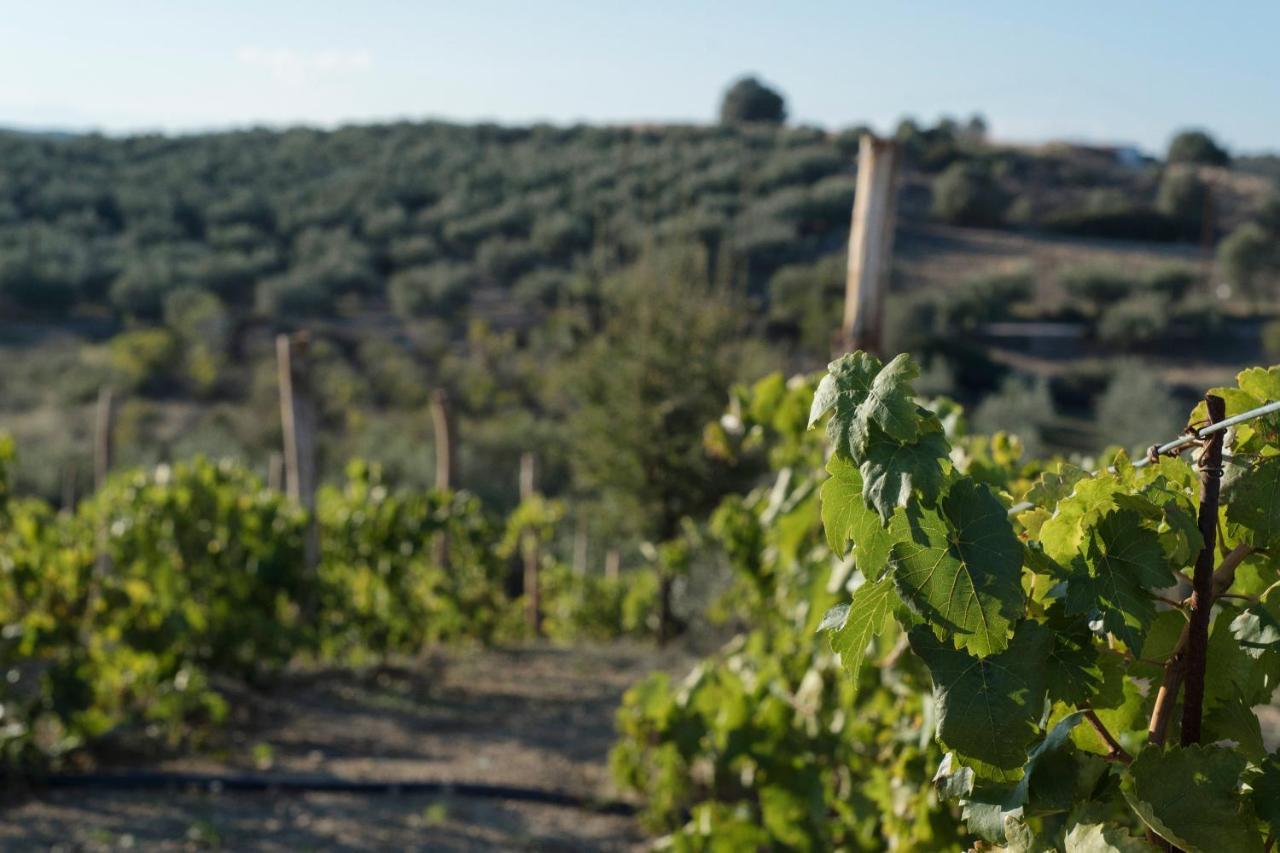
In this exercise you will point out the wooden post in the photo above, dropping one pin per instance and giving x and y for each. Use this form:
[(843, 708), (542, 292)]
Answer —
[(870, 244), (297, 417), (612, 565), (69, 487), (103, 444), (442, 427), (446, 463), (580, 549), (103, 453), (275, 471), (1210, 468), (532, 594)]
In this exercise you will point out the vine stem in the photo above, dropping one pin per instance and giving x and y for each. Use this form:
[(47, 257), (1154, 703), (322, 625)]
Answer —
[(1210, 465), (1117, 752), (1174, 667)]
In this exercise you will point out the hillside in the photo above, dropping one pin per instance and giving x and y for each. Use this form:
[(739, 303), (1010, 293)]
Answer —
[(479, 259)]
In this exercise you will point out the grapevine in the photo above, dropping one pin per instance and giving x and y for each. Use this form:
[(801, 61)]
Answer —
[(1056, 640)]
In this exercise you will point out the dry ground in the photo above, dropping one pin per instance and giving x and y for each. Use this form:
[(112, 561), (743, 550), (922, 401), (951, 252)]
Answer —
[(535, 718)]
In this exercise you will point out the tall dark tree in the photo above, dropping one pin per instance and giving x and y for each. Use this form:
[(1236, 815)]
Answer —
[(644, 391), (1196, 146), (748, 100)]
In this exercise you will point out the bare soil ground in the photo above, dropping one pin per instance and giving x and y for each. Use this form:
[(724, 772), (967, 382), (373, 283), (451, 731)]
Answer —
[(534, 718)]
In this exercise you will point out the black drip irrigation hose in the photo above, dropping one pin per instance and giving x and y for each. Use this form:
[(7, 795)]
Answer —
[(147, 780)]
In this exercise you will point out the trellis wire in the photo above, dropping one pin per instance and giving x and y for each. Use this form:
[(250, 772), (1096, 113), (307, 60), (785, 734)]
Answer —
[(1181, 442), (1187, 440)]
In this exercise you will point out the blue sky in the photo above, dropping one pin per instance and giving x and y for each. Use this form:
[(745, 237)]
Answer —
[(1131, 72)]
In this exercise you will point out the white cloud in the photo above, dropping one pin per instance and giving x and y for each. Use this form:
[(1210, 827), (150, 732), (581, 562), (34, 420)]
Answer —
[(291, 67)]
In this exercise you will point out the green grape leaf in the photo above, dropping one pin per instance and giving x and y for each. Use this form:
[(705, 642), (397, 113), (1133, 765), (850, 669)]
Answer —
[(1105, 838), (1257, 628), (1179, 531), (863, 395), (891, 403), (1254, 502), (846, 518), (1261, 383), (863, 620), (842, 391), (1191, 797), (1074, 674), (1063, 536), (850, 374), (988, 708), (960, 567), (891, 472), (1230, 671), (1266, 791), (1122, 562), (1234, 720), (1053, 486), (989, 806)]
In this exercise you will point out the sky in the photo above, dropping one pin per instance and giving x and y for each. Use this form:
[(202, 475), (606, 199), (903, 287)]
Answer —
[(1119, 72)]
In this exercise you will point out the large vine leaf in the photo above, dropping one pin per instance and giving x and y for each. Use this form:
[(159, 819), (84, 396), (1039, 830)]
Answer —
[(846, 518), (1064, 535), (988, 708), (1266, 791), (1104, 838), (860, 392), (989, 806), (891, 403), (960, 567), (1254, 502), (891, 472), (861, 621), (1257, 628), (1191, 797), (1122, 562), (1074, 674)]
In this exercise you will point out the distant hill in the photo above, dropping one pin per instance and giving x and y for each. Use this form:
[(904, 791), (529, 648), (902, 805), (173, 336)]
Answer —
[(420, 251)]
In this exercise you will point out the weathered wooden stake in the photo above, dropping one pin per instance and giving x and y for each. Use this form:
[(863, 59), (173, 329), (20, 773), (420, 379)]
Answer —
[(297, 417), (580, 549), (532, 594), (69, 487), (103, 453), (442, 426), (275, 471), (1210, 468), (103, 443), (870, 244), (446, 463), (612, 565)]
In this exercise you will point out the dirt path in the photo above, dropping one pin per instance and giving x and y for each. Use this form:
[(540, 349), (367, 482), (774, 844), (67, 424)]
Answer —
[(536, 718)]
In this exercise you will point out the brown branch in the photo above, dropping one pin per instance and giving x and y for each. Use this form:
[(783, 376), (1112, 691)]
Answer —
[(1116, 751), (1210, 465), (1175, 666)]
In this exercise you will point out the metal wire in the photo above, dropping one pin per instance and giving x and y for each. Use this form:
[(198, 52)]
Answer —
[(1187, 440), (1181, 442)]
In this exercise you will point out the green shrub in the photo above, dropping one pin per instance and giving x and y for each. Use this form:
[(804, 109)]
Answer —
[(1020, 408), (1136, 409), (1097, 287), (1198, 147), (1182, 196), (146, 359), (966, 194), (1139, 320), (1247, 257), (1172, 282), (748, 100)]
